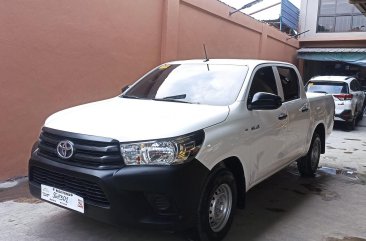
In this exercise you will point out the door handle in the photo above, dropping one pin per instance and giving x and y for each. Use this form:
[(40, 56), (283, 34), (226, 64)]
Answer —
[(282, 116), (304, 108)]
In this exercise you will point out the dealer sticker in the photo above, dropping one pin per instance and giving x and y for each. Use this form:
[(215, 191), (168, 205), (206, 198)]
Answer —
[(164, 66), (62, 198)]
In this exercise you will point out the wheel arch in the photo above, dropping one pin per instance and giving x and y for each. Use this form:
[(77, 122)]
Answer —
[(234, 164), (320, 129)]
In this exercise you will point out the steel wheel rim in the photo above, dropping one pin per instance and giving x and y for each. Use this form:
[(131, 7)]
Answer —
[(315, 153), (220, 207)]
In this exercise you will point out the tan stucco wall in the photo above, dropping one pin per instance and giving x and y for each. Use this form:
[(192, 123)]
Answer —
[(56, 53)]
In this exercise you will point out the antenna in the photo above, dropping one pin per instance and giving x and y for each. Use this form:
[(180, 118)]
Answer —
[(204, 48), (207, 59)]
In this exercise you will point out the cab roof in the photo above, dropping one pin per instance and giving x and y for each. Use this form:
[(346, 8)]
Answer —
[(247, 62)]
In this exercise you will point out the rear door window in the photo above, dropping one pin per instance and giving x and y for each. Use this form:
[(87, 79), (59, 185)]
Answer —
[(290, 83), (326, 87), (358, 85), (355, 85)]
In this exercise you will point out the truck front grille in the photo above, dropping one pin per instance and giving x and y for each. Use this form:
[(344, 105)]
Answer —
[(89, 151), (90, 191)]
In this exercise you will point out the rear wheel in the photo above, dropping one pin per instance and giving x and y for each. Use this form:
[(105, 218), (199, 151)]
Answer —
[(217, 206), (350, 125), (308, 165), (360, 117)]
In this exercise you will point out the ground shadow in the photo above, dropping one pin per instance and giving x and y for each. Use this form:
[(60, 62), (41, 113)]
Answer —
[(275, 198)]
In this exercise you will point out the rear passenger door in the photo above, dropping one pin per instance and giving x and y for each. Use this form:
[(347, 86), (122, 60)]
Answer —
[(361, 94), (298, 109)]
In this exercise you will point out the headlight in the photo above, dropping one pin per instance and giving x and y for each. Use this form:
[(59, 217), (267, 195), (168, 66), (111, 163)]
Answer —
[(163, 152)]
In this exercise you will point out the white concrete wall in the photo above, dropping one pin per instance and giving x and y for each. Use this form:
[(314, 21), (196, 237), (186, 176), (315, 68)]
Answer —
[(308, 21)]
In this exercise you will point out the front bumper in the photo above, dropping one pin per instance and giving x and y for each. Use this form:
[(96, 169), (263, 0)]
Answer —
[(164, 197)]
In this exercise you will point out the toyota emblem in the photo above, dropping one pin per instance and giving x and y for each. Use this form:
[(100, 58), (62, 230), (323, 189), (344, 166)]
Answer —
[(65, 149)]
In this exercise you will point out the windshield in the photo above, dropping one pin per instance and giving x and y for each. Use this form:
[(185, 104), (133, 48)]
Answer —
[(327, 87), (211, 84)]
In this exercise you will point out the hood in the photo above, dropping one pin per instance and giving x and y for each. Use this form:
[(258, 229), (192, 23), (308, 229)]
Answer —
[(136, 119)]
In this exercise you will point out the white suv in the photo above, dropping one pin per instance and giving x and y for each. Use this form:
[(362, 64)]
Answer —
[(347, 93)]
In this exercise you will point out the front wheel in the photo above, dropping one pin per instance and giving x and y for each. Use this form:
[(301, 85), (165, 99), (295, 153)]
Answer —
[(308, 165), (217, 206)]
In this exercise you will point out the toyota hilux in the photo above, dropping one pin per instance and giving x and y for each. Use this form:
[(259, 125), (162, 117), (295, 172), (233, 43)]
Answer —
[(180, 148)]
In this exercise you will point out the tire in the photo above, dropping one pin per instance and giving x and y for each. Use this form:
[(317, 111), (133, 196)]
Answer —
[(360, 117), (350, 125), (217, 206), (308, 165)]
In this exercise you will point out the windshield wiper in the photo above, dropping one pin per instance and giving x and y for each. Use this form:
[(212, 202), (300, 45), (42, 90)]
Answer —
[(175, 97), (130, 97), (171, 100)]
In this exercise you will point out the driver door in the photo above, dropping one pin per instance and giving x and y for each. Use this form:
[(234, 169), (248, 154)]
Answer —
[(268, 132)]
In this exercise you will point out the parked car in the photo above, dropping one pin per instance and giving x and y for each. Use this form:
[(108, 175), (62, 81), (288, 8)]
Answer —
[(347, 93), (180, 148)]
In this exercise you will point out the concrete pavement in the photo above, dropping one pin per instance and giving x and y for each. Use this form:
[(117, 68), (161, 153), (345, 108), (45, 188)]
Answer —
[(285, 207)]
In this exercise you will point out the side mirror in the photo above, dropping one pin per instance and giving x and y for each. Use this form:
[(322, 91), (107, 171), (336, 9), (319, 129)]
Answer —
[(265, 101), (125, 88)]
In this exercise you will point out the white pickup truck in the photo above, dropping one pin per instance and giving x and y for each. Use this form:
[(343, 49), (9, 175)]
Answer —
[(180, 148)]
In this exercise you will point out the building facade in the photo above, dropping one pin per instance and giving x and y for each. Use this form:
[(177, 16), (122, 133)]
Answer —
[(334, 42)]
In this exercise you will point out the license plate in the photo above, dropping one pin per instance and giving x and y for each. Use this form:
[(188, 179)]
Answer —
[(63, 198)]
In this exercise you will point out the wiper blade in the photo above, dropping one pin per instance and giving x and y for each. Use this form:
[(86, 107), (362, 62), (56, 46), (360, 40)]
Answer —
[(183, 96), (174, 98), (171, 100), (130, 97)]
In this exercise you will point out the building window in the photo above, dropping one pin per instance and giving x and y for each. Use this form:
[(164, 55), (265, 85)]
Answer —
[(339, 16)]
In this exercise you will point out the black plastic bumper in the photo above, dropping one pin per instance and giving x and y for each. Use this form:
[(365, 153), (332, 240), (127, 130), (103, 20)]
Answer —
[(345, 115), (165, 197)]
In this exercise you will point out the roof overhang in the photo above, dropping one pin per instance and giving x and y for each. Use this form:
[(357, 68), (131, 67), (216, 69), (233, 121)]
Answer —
[(355, 56), (360, 4)]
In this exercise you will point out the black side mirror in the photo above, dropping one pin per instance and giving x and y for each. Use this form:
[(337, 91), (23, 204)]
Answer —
[(265, 101), (125, 88)]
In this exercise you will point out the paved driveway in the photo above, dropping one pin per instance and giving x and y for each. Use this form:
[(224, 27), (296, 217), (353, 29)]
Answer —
[(330, 207)]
